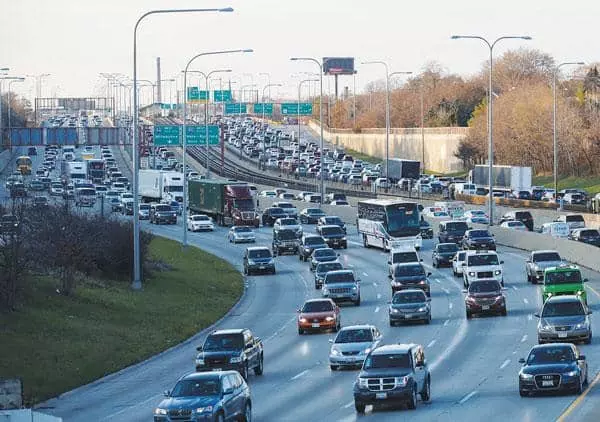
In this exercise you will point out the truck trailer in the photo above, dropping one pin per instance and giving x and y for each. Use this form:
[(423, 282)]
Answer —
[(158, 185), (511, 178), (228, 203), (401, 169)]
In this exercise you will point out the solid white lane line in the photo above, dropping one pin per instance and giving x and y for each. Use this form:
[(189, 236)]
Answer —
[(524, 338), (446, 323), (505, 364), (365, 274), (377, 309), (431, 343), (450, 305), (346, 406), (378, 295), (525, 301), (467, 397), (301, 374), (515, 288)]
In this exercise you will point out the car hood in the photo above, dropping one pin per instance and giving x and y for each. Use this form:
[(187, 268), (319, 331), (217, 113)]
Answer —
[(352, 347), (309, 315), (384, 373), (564, 320), (408, 306), (408, 279), (550, 368), (188, 403), (542, 265)]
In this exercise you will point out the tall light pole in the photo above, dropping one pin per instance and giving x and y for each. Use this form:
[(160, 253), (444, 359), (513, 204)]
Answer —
[(299, 98), (490, 110), (206, 82), (137, 264), (554, 131), (242, 90), (4, 78), (251, 82), (9, 107), (320, 120), (268, 75), (263, 97)]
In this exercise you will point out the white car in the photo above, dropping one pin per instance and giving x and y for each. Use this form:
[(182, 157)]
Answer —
[(268, 193), (457, 262), (199, 222), (514, 225), (474, 213), (481, 265), (340, 203), (290, 223), (119, 187), (241, 234), (382, 182), (477, 220), (288, 208)]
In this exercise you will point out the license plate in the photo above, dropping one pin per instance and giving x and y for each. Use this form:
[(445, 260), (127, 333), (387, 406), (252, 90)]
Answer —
[(316, 325), (262, 267), (217, 369), (562, 335), (485, 307), (547, 383), (380, 396), (408, 316)]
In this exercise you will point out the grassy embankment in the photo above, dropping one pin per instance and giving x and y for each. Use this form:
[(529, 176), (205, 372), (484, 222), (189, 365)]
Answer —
[(590, 184), (56, 343)]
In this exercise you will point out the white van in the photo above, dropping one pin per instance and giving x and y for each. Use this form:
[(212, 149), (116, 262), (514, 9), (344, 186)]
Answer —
[(465, 188), (402, 254), (556, 229)]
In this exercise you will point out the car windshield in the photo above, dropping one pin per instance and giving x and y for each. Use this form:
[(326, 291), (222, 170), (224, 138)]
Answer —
[(259, 253), (440, 214), (285, 205), (560, 309), (447, 247), (409, 270), (487, 286), (546, 256), (387, 361), (478, 213), (314, 240), (276, 211), (242, 229), (590, 233), (329, 266), (318, 306), (563, 277), (523, 215), (224, 342), (341, 277), (479, 233), (476, 260), (314, 211), (197, 388), (546, 355), (457, 226), (328, 231), (320, 253), (333, 220), (163, 208), (515, 224), (288, 222), (359, 335), (408, 297), (401, 257), (200, 218), (285, 235), (144, 206)]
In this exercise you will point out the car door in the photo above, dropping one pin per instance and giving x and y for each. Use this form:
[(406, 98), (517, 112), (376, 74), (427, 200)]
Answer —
[(229, 399), (419, 368), (250, 350)]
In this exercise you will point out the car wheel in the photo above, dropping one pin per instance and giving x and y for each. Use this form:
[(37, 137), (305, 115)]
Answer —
[(589, 339), (426, 393), (412, 403), (245, 372), (392, 323), (469, 315), (357, 303), (246, 271), (579, 388), (360, 407), (248, 413), (258, 370), (334, 367), (300, 331), (273, 271), (337, 327), (523, 393), (428, 320), (540, 341)]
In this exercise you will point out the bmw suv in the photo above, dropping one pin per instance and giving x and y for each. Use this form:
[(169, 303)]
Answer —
[(481, 265)]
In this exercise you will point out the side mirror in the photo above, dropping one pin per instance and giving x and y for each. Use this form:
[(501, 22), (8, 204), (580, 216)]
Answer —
[(589, 312), (389, 302), (522, 360), (167, 393), (248, 346), (428, 274), (502, 262), (331, 340), (199, 348), (528, 261), (537, 315), (585, 280), (464, 264), (389, 262), (581, 357), (228, 390), (358, 280), (421, 260), (428, 299), (464, 290)]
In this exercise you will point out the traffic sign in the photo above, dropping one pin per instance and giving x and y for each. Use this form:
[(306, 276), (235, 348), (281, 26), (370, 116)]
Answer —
[(166, 135), (164, 106), (195, 95), (263, 108), (235, 108), (222, 96), (196, 135), (292, 108)]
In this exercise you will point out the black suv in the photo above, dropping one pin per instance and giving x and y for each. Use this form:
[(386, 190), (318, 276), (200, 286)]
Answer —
[(162, 213), (233, 349), (393, 373), (452, 231), (410, 276), (443, 253), (334, 236), (308, 244), (478, 239), (284, 241), (524, 217), (271, 214)]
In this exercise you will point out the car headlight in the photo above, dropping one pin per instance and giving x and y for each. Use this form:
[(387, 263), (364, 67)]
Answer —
[(159, 411), (471, 274), (401, 381), (366, 351), (572, 373), (335, 352), (329, 318), (579, 292), (362, 383), (205, 409), (526, 377), (497, 272), (393, 310), (325, 291), (271, 261), (236, 359), (581, 326), (199, 361), (546, 327), (422, 309), (354, 288), (302, 319), (423, 282), (251, 262)]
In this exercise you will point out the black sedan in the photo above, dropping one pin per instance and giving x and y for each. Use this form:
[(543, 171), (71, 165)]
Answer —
[(311, 215), (443, 254), (589, 236), (271, 214), (478, 239), (553, 368)]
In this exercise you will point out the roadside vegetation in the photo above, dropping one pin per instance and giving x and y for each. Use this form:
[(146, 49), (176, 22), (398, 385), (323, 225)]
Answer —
[(590, 184), (68, 324)]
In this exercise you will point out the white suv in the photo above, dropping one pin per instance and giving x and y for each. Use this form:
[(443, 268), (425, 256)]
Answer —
[(482, 265)]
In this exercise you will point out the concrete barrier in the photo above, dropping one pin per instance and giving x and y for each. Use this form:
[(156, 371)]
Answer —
[(26, 415)]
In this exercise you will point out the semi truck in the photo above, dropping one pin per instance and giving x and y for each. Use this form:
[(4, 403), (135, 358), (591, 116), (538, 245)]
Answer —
[(75, 170), (511, 178), (400, 168), (228, 203), (96, 170), (158, 186)]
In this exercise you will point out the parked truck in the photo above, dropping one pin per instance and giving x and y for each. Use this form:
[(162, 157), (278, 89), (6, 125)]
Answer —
[(503, 177), (229, 203), (158, 186), (400, 168)]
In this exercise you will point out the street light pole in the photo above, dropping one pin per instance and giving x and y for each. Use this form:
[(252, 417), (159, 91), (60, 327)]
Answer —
[(490, 111), (268, 75), (263, 98), (299, 98), (137, 264), (554, 131), (320, 120)]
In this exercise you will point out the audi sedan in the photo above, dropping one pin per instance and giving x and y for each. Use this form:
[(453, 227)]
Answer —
[(553, 368), (351, 346)]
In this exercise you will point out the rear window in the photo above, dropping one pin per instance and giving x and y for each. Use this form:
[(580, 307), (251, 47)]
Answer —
[(328, 231), (457, 226), (402, 257), (546, 256), (574, 218), (523, 215), (163, 208), (409, 270), (259, 253), (314, 240), (476, 260)]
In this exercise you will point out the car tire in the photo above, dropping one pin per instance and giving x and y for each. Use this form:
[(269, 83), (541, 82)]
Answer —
[(589, 339), (428, 320), (337, 327), (258, 370), (540, 341), (300, 331), (273, 271), (360, 407), (579, 388), (412, 402), (246, 271), (469, 315), (245, 374), (247, 417), (523, 393), (426, 393), (392, 323), (334, 367)]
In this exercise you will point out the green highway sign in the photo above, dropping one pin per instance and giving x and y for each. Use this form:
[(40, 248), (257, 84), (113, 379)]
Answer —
[(196, 135), (235, 108), (164, 106), (292, 108), (221, 96), (263, 108), (195, 95), (166, 135)]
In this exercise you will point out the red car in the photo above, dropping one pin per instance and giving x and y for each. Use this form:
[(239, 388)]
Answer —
[(319, 315)]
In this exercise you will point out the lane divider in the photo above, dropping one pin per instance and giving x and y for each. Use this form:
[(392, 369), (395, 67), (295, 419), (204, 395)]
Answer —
[(578, 400)]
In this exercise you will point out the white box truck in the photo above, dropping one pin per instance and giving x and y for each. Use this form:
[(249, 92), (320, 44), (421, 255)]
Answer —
[(503, 177), (158, 186)]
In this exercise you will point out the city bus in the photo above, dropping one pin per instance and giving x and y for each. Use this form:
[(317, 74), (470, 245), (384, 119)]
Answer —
[(24, 165), (389, 223)]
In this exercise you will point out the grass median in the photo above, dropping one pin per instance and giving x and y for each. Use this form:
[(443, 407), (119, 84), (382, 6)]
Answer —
[(56, 343)]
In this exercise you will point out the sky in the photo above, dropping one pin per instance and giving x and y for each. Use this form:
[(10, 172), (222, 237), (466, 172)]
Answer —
[(76, 40)]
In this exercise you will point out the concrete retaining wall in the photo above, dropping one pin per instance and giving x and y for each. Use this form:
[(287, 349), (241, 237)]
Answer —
[(439, 144), (26, 415)]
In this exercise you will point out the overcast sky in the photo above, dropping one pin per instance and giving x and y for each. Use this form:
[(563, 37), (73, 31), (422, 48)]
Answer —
[(74, 41)]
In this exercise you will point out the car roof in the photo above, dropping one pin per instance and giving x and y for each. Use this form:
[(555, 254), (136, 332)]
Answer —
[(206, 375), (357, 327), (322, 299), (544, 251), (563, 299), (257, 248), (228, 331), (393, 348)]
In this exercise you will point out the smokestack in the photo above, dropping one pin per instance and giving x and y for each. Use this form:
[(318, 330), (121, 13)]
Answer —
[(158, 78)]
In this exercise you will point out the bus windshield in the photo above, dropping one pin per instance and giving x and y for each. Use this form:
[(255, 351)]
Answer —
[(402, 220)]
